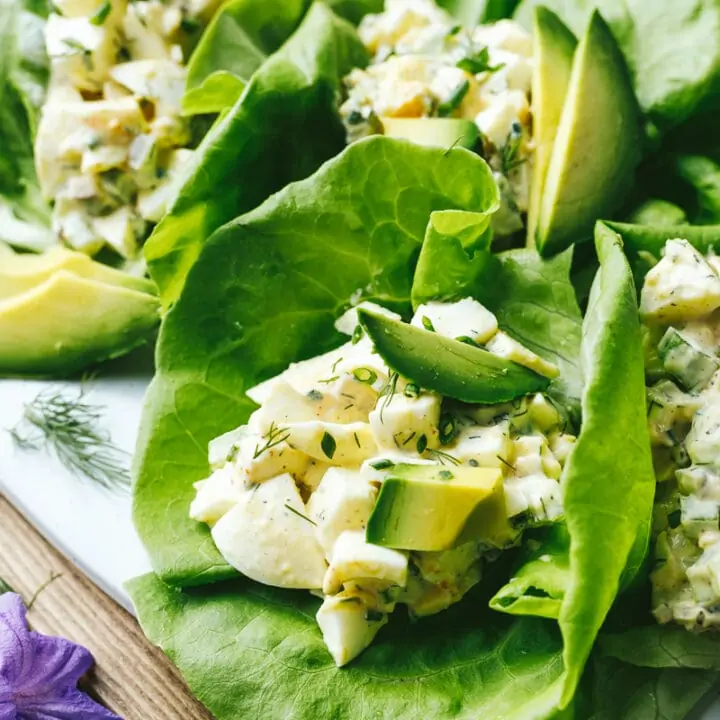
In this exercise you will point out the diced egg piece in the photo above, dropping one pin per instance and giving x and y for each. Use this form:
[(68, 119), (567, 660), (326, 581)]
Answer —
[(121, 230), (353, 558), (340, 444), (533, 456), (142, 28), (162, 81), (217, 495), (507, 35), (260, 457), (154, 203), (502, 345), (344, 500), (282, 406), (224, 447), (537, 494), (347, 627), (405, 423), (268, 537), (496, 120), (484, 446), (465, 318), (561, 445), (682, 286)]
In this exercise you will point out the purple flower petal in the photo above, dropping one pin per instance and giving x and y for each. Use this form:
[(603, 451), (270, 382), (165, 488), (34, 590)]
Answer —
[(39, 674), (16, 652), (73, 705)]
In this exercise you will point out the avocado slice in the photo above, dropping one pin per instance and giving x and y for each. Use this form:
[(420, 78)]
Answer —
[(446, 366), (597, 147), (554, 50), (68, 322), (22, 272), (433, 508), (433, 132)]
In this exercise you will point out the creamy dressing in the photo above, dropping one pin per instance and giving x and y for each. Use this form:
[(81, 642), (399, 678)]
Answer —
[(292, 491), (424, 65)]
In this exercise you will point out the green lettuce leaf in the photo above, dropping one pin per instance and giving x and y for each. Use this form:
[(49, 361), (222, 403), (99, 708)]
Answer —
[(473, 12), (658, 212), (608, 480), (663, 646), (265, 292), (249, 651), (355, 10), (540, 582), (281, 129), (703, 176), (237, 42), (617, 691), (660, 41)]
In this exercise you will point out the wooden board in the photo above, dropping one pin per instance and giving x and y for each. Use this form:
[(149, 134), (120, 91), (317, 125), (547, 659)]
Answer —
[(132, 678)]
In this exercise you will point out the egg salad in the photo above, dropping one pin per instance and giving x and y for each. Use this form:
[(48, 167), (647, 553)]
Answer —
[(112, 135), (680, 305), (369, 491), (426, 66)]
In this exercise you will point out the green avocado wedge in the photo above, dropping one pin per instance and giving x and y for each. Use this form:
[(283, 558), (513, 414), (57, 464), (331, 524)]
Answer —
[(554, 50), (20, 273), (75, 322), (449, 367), (433, 132), (597, 147)]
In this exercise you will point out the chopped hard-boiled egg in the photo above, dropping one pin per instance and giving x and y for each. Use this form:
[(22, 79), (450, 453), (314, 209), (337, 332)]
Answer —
[(268, 537), (407, 420), (217, 495), (353, 558), (682, 286)]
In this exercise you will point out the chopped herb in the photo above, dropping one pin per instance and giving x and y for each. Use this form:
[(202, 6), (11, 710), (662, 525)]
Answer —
[(357, 439), (299, 514), (454, 30), (357, 334), (274, 436), (445, 475), (387, 392), (329, 380), (328, 445), (427, 323), (450, 105), (80, 49), (374, 615), (232, 454), (444, 457), (411, 391), (101, 14), (473, 463), (511, 150), (409, 438), (335, 364), (421, 444), (478, 63), (448, 429), (315, 395), (505, 462), (382, 464), (69, 427), (365, 375)]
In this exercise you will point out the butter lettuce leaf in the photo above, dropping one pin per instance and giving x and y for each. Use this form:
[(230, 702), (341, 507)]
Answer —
[(282, 128), (235, 44), (264, 293), (608, 480), (614, 690), (659, 39), (248, 651), (473, 12)]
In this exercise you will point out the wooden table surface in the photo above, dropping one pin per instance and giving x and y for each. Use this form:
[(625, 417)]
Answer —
[(132, 677)]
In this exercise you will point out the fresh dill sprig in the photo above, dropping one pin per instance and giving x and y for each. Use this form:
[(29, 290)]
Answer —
[(387, 392), (299, 514), (443, 457), (274, 436), (69, 427)]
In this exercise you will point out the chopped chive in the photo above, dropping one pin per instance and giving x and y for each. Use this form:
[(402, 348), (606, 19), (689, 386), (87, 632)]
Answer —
[(365, 375), (101, 14), (448, 429), (421, 444), (427, 323), (315, 395), (411, 391), (478, 63), (382, 464), (445, 475), (328, 445), (357, 439), (299, 514)]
